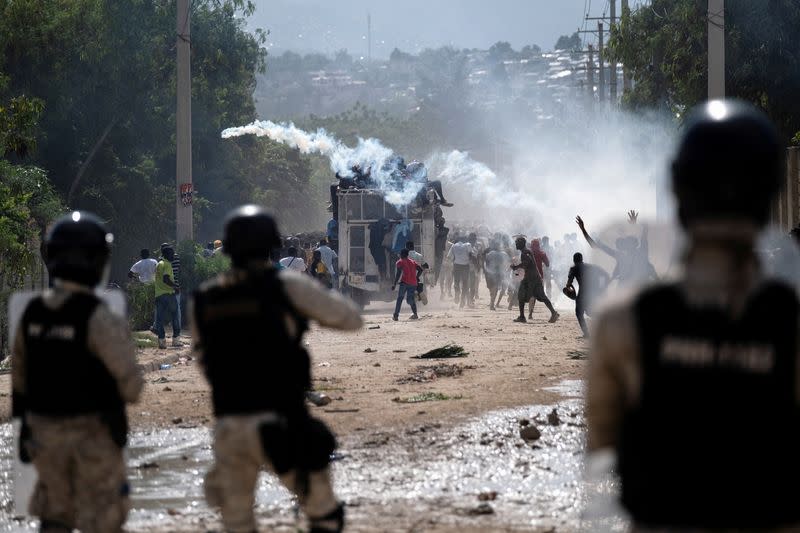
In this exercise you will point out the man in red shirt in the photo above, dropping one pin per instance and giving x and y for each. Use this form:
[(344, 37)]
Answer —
[(406, 274), (541, 260)]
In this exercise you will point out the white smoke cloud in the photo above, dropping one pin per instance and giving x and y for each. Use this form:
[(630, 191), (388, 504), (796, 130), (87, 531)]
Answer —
[(368, 154)]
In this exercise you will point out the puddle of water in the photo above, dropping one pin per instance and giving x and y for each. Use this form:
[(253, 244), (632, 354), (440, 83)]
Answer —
[(423, 471)]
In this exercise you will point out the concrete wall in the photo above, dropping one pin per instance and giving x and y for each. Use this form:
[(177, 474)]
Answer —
[(786, 210)]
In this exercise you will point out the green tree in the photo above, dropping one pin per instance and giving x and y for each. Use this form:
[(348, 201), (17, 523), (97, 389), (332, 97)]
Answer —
[(664, 47), (569, 42)]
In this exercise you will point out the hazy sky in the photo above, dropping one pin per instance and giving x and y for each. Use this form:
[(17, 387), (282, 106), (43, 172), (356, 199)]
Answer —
[(411, 25)]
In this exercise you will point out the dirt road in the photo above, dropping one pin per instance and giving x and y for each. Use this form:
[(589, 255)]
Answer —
[(387, 402)]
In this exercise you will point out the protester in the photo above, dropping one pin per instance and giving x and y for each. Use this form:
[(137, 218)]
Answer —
[(531, 285), (208, 251), (143, 270), (496, 267), (406, 273), (319, 270), (592, 281), (461, 253), (247, 331), (708, 353), (329, 257), (445, 277), (292, 262), (332, 234), (167, 290), (542, 261), (73, 370)]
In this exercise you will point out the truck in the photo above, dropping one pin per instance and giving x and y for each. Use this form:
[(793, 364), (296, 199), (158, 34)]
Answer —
[(358, 272)]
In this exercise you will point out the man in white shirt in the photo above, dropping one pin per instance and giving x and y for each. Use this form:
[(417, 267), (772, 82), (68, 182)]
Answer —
[(144, 270), (329, 257), (460, 253), (292, 262)]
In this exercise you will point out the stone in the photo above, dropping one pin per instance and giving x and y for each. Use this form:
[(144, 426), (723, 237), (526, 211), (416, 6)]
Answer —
[(529, 433), (553, 419)]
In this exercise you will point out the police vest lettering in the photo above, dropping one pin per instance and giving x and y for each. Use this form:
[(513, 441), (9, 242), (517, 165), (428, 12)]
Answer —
[(753, 357), (62, 376), (689, 453), (250, 360)]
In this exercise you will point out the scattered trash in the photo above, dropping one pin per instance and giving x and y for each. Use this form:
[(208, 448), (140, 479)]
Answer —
[(398, 351), (425, 374), (164, 366), (529, 433), (445, 352), (524, 422), (576, 354), (553, 419), (336, 456), (177, 420), (162, 379), (167, 389), (317, 398), (342, 410), (145, 466), (482, 509), (427, 397), (374, 327), (324, 363), (377, 364), (489, 496), (370, 350)]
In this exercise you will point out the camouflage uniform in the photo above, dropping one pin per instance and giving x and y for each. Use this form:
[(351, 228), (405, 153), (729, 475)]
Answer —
[(239, 444), (81, 473)]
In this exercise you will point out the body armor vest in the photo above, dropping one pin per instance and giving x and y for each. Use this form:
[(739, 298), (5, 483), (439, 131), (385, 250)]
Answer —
[(62, 376), (251, 362), (713, 440)]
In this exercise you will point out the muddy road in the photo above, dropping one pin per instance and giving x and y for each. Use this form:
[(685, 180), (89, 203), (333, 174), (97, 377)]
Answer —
[(425, 445)]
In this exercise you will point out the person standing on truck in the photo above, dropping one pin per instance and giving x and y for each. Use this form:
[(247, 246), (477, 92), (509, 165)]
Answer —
[(707, 353), (73, 369), (247, 333), (406, 271)]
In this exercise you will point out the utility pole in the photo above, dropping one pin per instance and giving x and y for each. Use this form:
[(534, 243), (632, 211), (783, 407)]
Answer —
[(716, 49), (626, 80), (369, 38), (183, 122), (601, 89), (590, 73), (612, 67)]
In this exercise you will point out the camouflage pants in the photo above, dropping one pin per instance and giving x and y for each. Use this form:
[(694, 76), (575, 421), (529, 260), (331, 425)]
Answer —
[(81, 475), (238, 458)]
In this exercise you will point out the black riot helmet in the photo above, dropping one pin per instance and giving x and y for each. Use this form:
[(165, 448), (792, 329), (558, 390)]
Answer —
[(77, 248), (250, 235), (729, 164)]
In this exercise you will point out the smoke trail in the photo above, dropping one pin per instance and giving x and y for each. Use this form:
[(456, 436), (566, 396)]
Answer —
[(369, 154)]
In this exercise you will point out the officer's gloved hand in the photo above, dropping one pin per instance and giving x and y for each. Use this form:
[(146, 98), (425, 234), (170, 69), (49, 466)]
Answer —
[(25, 438)]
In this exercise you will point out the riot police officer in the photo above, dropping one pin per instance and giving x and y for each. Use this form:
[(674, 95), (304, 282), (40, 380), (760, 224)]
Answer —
[(73, 370), (248, 326), (694, 383)]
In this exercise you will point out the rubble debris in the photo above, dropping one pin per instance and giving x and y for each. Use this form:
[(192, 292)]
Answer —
[(524, 422), (317, 398), (425, 374), (481, 509), (427, 397), (177, 420), (374, 327), (488, 496), (553, 419), (147, 466), (577, 354), (444, 352), (370, 350), (530, 433)]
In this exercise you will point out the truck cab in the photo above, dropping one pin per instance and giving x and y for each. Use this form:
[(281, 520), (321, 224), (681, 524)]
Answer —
[(358, 212)]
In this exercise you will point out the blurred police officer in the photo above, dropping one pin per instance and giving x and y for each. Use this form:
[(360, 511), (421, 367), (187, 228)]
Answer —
[(694, 384), (248, 326), (73, 370)]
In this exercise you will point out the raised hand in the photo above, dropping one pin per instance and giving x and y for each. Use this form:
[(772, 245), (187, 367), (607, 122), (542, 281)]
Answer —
[(633, 216), (579, 220)]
